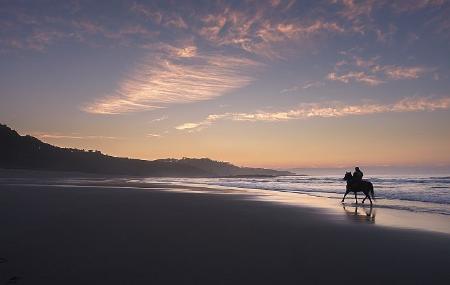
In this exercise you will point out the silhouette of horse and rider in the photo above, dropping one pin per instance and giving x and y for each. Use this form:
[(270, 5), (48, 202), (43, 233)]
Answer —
[(356, 184)]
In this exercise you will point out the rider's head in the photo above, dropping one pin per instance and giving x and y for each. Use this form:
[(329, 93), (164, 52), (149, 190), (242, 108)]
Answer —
[(357, 168)]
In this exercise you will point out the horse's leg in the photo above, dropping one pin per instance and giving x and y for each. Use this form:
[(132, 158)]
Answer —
[(343, 198), (356, 197), (368, 196)]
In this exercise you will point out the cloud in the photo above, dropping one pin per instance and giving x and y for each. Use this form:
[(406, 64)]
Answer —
[(258, 32), (37, 33), (162, 118), (421, 104), (355, 76), (264, 28), (325, 110), (38, 40), (189, 126), (353, 10), (371, 72), (176, 75), (150, 13), (359, 13), (175, 21), (306, 85), (153, 136), (123, 35), (386, 36), (158, 16), (413, 5), (399, 72), (73, 136)]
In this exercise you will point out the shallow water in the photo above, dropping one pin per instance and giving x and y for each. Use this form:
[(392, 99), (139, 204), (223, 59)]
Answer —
[(408, 202), (417, 193)]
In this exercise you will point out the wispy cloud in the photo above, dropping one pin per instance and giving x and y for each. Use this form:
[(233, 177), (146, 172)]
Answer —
[(97, 34), (386, 36), (399, 72), (265, 28), (147, 11), (158, 16), (325, 110), (355, 76), (304, 86), (357, 13), (413, 5), (352, 10), (258, 32), (38, 40), (162, 118), (371, 72), (153, 136), (37, 32), (176, 21), (73, 136), (360, 13), (176, 75)]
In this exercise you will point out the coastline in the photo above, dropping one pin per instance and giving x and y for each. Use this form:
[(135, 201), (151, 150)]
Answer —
[(103, 233)]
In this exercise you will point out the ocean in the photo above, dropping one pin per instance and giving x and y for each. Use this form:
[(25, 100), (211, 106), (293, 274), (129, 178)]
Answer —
[(418, 193)]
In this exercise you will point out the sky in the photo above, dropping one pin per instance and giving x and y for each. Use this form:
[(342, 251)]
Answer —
[(278, 83)]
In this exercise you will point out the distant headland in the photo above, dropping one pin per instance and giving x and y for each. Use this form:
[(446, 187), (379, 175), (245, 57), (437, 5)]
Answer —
[(28, 152)]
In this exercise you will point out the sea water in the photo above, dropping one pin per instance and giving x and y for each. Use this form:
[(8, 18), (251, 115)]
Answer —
[(418, 193)]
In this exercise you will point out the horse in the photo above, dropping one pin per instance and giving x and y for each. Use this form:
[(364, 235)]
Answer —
[(358, 186)]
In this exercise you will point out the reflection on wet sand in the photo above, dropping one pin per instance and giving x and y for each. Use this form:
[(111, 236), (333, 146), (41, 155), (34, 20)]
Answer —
[(360, 214)]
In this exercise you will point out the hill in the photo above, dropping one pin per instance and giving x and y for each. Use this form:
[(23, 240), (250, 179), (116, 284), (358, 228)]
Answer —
[(27, 152)]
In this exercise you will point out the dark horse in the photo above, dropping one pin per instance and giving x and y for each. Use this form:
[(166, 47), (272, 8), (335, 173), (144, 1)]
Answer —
[(358, 186)]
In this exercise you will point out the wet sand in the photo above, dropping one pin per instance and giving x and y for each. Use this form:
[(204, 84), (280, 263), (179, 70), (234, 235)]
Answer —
[(110, 235)]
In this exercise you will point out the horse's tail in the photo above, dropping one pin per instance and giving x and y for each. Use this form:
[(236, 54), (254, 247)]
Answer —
[(371, 191)]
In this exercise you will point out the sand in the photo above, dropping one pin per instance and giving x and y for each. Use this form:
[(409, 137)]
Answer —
[(109, 235)]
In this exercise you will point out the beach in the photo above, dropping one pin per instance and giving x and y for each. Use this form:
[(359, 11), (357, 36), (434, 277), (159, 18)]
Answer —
[(278, 142), (106, 233)]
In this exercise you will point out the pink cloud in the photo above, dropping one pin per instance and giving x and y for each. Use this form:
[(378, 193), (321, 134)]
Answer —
[(174, 76), (399, 72), (326, 110), (259, 33), (58, 136), (353, 10), (355, 76), (371, 72)]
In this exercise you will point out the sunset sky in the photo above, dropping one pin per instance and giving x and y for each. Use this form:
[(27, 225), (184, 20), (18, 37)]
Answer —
[(279, 83)]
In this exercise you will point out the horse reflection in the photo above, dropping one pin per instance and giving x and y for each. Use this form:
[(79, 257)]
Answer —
[(360, 214)]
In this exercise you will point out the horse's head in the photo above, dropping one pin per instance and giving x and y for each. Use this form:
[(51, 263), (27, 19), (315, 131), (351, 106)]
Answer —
[(348, 176)]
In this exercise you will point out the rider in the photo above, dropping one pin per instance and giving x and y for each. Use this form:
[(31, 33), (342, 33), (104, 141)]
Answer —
[(358, 174)]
